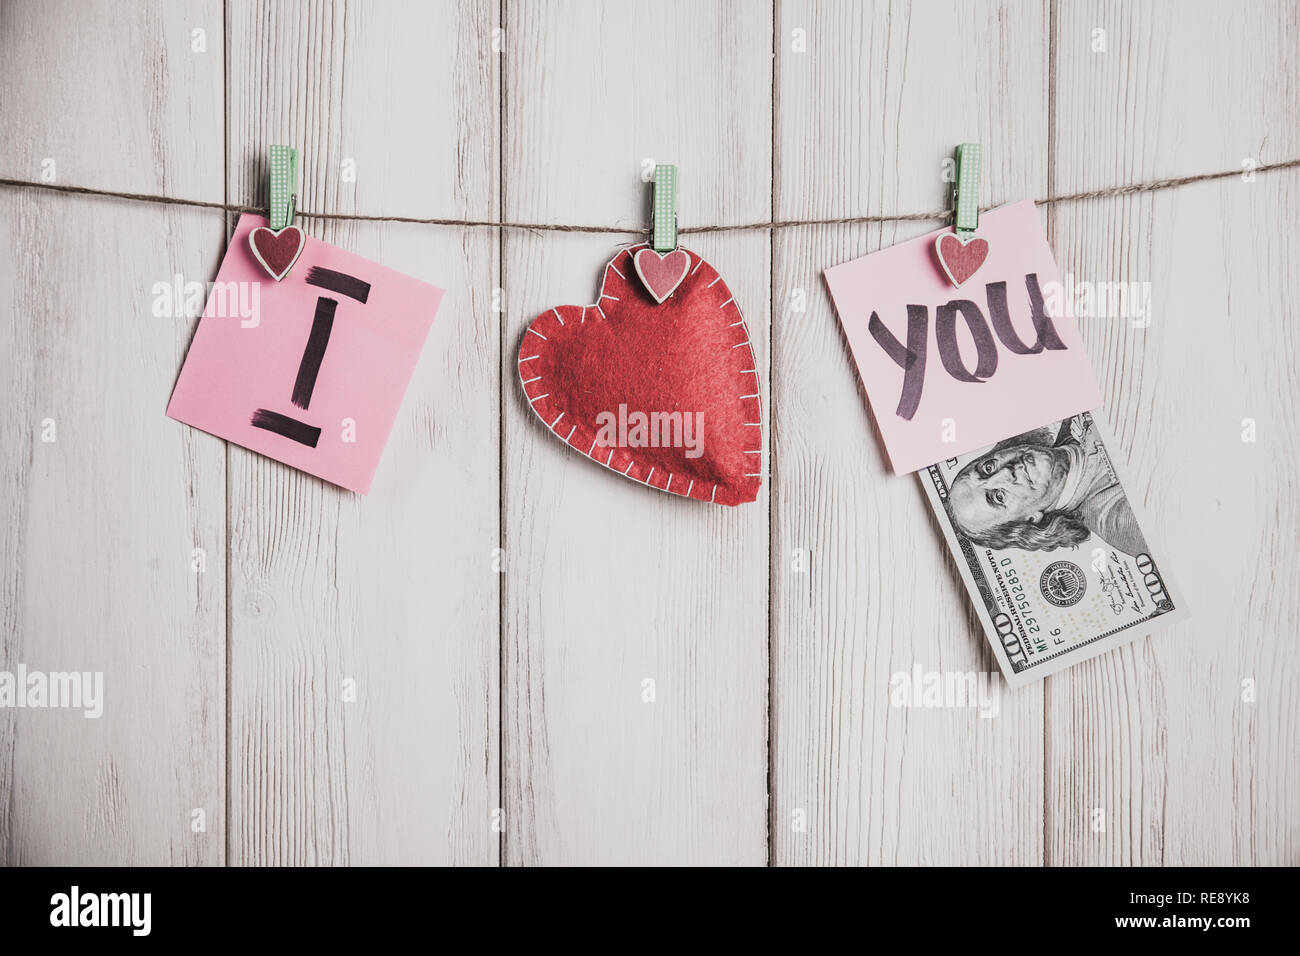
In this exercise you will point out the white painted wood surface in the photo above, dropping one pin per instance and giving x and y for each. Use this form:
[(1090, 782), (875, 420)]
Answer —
[(1158, 735), (873, 783), (394, 591), (102, 524), (500, 717), (609, 585)]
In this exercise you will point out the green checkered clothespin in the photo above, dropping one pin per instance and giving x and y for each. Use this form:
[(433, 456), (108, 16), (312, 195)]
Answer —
[(663, 223), (284, 186), (961, 252), (277, 246), (966, 191)]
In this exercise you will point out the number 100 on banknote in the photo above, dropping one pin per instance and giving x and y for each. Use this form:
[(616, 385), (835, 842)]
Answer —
[(1053, 551)]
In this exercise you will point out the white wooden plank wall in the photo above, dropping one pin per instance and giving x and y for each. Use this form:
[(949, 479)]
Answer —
[(872, 783), (102, 524), (1158, 735), (501, 712)]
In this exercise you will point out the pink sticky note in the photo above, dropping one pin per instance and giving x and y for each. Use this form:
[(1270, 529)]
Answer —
[(310, 370), (949, 370)]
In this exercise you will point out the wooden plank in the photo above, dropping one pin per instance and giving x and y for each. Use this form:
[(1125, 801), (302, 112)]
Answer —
[(862, 584), (396, 590), (129, 98), (113, 550), (610, 585), (1157, 736)]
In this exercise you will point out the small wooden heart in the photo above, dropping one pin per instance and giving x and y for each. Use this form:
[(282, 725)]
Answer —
[(661, 274), (960, 258), (277, 250)]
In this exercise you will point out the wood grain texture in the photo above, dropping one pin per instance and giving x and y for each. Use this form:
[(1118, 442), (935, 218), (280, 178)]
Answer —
[(514, 700), (862, 583), (609, 584), (1158, 736), (119, 96), (396, 590), (113, 535)]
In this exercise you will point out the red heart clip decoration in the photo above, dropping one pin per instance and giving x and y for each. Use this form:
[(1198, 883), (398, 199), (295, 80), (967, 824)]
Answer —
[(664, 393), (661, 274), (277, 251), (960, 258)]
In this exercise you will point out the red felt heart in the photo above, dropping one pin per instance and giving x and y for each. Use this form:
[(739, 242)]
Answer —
[(685, 365), (661, 274), (277, 251), (960, 259)]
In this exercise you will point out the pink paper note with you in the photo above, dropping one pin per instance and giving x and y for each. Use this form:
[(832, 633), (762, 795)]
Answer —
[(310, 370), (948, 370)]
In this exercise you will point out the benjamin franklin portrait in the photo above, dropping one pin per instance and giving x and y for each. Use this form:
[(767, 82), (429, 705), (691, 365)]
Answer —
[(1046, 489)]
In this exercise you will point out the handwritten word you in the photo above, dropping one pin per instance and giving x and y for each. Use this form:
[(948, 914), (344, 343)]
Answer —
[(911, 358)]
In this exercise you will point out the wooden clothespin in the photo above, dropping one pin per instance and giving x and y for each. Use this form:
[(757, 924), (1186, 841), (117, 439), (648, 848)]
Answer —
[(662, 266), (663, 225), (278, 247), (960, 252)]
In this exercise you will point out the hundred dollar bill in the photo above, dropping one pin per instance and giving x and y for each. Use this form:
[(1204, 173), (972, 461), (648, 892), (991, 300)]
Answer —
[(1054, 552)]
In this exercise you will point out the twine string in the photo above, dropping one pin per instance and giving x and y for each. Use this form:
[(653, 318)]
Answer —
[(1155, 185)]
